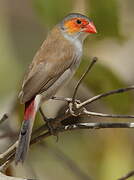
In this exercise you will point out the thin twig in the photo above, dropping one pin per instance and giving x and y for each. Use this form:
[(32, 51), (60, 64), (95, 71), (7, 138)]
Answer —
[(90, 113), (9, 154), (4, 117), (116, 91), (43, 131), (128, 175), (82, 77), (96, 125), (5, 165), (4, 156), (95, 98), (99, 125)]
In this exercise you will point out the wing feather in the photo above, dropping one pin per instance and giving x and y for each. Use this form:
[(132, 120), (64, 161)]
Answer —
[(52, 60)]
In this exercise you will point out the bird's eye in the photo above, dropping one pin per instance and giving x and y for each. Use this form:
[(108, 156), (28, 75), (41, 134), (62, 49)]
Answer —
[(78, 21)]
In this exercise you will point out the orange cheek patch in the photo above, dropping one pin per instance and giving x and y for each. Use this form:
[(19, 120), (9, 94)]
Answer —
[(71, 27)]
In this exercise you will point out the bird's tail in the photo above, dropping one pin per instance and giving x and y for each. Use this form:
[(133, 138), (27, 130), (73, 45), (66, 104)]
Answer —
[(31, 108)]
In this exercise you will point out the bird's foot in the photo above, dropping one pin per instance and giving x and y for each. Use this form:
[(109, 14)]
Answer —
[(53, 127), (74, 109), (50, 124)]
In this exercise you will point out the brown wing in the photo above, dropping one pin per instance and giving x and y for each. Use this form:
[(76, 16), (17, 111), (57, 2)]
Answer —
[(50, 62)]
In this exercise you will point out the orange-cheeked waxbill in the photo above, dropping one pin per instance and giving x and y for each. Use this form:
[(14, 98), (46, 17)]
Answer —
[(54, 63)]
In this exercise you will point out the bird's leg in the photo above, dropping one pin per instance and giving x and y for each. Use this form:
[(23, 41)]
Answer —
[(43, 115), (46, 120), (49, 123)]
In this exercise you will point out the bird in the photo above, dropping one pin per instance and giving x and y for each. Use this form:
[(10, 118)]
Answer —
[(53, 65)]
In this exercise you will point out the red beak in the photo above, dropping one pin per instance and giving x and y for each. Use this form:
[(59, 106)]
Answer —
[(90, 28)]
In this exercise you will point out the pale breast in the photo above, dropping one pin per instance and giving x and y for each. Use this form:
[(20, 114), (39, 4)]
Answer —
[(77, 56)]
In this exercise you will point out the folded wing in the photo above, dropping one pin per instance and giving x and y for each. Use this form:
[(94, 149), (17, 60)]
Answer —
[(48, 65)]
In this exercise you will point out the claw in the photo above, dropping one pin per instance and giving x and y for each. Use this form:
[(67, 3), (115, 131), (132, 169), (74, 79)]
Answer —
[(74, 108)]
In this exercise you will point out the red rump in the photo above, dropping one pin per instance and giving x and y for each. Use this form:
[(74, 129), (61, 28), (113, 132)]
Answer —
[(29, 109)]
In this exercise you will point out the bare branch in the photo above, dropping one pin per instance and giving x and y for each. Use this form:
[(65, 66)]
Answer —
[(82, 77), (89, 113), (128, 175), (9, 154), (4, 117), (5, 165), (116, 91), (96, 125), (79, 110), (4, 156), (83, 104)]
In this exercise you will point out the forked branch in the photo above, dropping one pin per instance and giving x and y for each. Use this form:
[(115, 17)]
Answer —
[(79, 111)]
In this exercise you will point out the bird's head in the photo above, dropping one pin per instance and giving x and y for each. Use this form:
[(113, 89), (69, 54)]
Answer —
[(77, 25)]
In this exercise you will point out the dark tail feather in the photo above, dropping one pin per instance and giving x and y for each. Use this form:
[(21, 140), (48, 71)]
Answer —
[(26, 131), (31, 108), (23, 144)]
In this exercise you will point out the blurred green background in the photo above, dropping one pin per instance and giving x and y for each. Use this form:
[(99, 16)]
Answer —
[(101, 154)]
